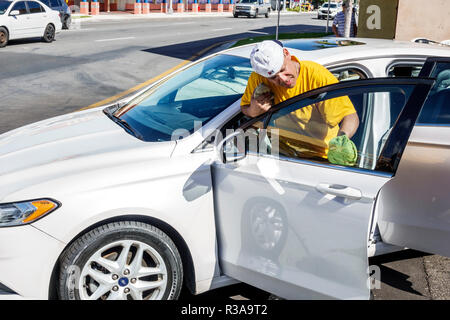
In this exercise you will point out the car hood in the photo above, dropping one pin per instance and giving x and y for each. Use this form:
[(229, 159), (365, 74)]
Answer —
[(63, 145)]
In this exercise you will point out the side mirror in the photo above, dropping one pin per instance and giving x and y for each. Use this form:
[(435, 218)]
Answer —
[(14, 13), (229, 151)]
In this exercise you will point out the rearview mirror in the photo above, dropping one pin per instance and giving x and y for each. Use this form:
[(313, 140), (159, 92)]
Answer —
[(14, 13), (232, 148)]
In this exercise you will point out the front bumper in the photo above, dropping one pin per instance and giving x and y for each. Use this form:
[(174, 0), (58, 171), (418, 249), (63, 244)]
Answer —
[(246, 12), (27, 259)]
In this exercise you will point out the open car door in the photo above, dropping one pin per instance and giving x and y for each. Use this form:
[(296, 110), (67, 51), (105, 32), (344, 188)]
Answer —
[(293, 224), (414, 207)]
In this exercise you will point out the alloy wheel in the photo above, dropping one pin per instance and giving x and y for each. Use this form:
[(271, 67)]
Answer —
[(124, 270)]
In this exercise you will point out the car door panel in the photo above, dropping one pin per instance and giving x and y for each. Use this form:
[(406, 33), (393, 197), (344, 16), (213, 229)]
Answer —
[(18, 25), (37, 18), (320, 238), (299, 228), (413, 208)]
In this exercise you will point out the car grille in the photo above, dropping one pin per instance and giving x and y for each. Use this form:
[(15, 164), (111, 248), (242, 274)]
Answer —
[(242, 8)]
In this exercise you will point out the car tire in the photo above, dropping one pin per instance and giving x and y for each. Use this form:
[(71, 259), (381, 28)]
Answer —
[(49, 33), (4, 37), (67, 22), (267, 13), (236, 15), (121, 260), (256, 13)]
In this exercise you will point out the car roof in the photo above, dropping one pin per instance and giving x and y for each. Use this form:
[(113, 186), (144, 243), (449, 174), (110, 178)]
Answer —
[(323, 51)]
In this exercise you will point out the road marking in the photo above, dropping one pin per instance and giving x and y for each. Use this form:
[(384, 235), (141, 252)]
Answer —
[(115, 39), (258, 32), (222, 29), (148, 82)]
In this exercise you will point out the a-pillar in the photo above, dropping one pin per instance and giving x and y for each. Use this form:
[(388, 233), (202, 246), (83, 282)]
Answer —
[(208, 6), (195, 6), (95, 8), (230, 6), (137, 7), (84, 7), (180, 6), (220, 6), (145, 7)]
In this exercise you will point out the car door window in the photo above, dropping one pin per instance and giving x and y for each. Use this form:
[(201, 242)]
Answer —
[(347, 74), (302, 130), (35, 7), (21, 7), (436, 110), (404, 70)]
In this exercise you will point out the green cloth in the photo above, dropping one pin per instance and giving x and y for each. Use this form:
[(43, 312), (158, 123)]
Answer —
[(342, 151)]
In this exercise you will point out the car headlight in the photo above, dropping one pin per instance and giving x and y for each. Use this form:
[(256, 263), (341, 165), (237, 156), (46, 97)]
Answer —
[(25, 212)]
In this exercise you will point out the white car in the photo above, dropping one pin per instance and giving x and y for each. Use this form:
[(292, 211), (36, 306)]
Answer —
[(137, 199), (323, 11), (27, 19)]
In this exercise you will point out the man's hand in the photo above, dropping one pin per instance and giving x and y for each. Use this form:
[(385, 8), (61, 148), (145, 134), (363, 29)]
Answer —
[(258, 105)]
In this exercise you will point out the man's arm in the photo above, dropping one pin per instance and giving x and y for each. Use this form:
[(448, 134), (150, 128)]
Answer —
[(349, 125), (335, 30)]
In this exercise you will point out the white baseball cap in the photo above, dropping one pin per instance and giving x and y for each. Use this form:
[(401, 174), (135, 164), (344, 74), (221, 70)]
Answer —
[(267, 58)]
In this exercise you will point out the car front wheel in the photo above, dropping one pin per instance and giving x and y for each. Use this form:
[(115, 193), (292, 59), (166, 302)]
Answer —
[(49, 33), (124, 260), (4, 36)]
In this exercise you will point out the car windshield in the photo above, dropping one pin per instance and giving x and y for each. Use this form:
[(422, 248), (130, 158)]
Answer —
[(332, 5), (248, 1), (187, 100), (4, 6)]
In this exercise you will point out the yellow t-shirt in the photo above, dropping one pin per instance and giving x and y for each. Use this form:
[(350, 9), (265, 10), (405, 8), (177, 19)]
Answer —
[(309, 129)]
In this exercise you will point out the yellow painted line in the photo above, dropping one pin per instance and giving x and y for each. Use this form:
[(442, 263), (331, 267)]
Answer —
[(150, 81)]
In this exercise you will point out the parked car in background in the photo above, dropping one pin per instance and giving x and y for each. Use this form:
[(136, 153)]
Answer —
[(333, 10), (63, 8), (27, 19), (252, 8), (136, 199)]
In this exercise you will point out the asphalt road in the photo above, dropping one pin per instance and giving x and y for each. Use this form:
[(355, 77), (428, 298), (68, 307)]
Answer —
[(40, 80), (102, 59)]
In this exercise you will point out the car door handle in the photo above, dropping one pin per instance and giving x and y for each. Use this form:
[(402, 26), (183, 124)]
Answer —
[(339, 191)]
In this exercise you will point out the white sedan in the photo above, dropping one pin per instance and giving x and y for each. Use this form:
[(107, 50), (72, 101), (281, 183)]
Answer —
[(137, 199), (27, 19)]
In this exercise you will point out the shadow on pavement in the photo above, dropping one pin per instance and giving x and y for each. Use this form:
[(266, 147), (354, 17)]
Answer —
[(186, 50), (397, 256)]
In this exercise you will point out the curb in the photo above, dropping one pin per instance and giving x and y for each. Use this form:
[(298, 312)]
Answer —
[(155, 15)]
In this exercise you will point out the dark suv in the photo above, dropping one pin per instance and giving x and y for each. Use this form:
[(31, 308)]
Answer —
[(63, 8)]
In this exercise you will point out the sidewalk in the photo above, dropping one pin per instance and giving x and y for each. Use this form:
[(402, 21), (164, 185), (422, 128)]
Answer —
[(124, 15)]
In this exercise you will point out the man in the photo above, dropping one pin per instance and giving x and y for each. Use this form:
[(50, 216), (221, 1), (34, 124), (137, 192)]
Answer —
[(339, 23), (287, 77)]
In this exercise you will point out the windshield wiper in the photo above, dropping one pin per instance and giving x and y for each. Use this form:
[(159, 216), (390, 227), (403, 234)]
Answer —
[(123, 124)]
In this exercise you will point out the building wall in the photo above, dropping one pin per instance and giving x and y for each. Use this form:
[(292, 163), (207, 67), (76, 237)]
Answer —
[(423, 18)]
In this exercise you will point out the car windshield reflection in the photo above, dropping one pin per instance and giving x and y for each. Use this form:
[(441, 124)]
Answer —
[(188, 99)]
